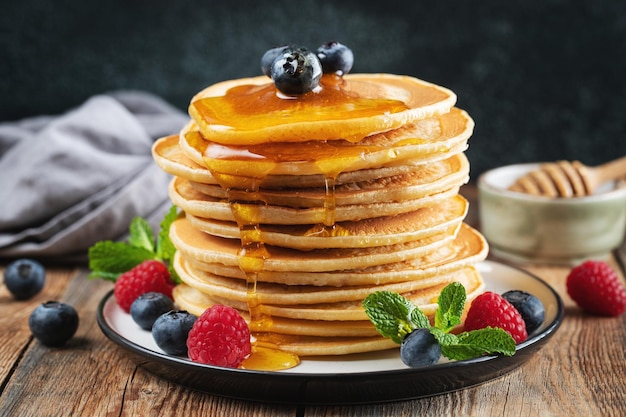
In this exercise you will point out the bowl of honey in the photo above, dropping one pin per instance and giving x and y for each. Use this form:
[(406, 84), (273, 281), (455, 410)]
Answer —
[(552, 230)]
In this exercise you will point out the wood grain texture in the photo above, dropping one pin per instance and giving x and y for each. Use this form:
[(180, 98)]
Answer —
[(579, 372)]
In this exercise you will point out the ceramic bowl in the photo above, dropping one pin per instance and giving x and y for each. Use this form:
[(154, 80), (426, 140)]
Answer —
[(522, 227)]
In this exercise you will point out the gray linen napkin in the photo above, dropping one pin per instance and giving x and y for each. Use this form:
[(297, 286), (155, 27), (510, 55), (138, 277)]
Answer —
[(69, 181)]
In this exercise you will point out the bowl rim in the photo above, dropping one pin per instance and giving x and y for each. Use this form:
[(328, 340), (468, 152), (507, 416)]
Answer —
[(484, 184)]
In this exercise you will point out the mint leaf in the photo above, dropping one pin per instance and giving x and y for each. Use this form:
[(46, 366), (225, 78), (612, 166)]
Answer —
[(419, 319), (108, 276), (479, 342), (141, 235), (444, 339), (451, 303), (108, 259), (390, 313), (165, 249)]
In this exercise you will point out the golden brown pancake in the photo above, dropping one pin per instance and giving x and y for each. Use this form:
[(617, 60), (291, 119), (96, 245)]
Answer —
[(416, 100), (423, 142), (190, 200), (468, 248), (377, 231), (195, 244)]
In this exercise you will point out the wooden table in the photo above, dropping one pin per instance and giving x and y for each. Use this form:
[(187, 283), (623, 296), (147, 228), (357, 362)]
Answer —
[(581, 371)]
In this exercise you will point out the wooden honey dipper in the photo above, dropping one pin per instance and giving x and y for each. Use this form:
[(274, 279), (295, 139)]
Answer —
[(569, 179)]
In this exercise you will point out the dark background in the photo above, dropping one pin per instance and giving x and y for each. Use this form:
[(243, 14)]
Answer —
[(543, 80)]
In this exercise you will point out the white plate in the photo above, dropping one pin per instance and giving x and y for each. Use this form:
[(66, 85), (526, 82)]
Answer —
[(343, 379)]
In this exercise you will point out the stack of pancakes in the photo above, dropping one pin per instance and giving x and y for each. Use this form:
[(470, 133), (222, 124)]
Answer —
[(296, 214)]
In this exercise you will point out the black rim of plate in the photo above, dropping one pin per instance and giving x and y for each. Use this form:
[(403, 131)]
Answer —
[(334, 388)]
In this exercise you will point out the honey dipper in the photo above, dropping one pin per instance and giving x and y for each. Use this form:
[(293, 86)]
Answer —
[(569, 179)]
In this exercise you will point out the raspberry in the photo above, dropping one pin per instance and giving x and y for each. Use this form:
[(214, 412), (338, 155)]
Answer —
[(148, 276), (491, 310), (596, 288), (220, 336)]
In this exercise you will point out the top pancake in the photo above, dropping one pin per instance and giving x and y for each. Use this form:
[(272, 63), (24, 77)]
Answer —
[(250, 111)]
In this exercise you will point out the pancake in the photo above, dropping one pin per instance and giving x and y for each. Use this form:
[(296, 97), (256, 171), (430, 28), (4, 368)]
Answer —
[(423, 142), (168, 156), (431, 179), (468, 248), (377, 231), (425, 298), (283, 294), (190, 200), (195, 244), (385, 102)]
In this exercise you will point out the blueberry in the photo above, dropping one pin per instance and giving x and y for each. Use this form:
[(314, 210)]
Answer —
[(296, 71), (53, 323), (268, 58), (24, 278), (335, 57), (420, 348), (170, 331), (530, 308), (148, 307)]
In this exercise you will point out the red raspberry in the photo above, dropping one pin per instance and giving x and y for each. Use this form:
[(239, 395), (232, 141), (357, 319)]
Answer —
[(490, 309), (219, 337), (596, 288), (148, 276)]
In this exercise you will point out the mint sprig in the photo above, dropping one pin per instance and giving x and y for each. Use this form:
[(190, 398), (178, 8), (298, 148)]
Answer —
[(394, 317), (109, 259)]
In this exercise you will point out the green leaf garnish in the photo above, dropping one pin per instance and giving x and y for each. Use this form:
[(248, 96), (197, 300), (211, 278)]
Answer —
[(108, 259), (478, 342), (394, 317), (391, 314), (451, 303), (141, 235)]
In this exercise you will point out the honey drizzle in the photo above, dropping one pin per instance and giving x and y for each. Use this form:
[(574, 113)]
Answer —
[(245, 205), (256, 107), (246, 199)]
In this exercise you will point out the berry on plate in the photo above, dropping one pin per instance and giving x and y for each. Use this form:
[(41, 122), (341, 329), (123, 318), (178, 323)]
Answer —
[(491, 310), (148, 276), (170, 331), (529, 306), (24, 278), (420, 348), (219, 337), (53, 323), (596, 288), (148, 307)]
